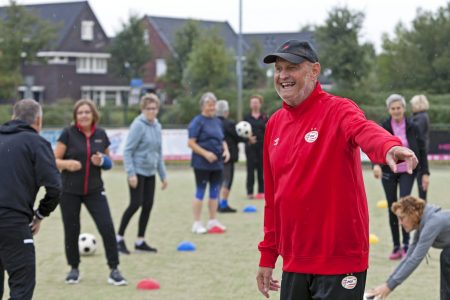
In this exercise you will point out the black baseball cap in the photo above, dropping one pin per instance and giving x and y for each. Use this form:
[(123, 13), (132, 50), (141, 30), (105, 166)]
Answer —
[(294, 51)]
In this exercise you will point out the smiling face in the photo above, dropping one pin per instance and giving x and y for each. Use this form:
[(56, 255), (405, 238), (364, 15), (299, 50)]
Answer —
[(397, 111), (84, 116), (295, 82)]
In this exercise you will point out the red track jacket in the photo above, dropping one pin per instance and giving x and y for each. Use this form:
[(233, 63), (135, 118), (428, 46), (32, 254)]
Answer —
[(316, 214)]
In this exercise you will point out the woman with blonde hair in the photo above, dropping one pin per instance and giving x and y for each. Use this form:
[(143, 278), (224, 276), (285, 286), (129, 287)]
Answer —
[(432, 225), (419, 107), (142, 160)]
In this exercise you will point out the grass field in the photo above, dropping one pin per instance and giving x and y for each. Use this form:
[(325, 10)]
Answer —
[(224, 266)]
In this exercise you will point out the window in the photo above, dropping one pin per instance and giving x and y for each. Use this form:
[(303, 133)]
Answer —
[(87, 30), (146, 37), (83, 65), (92, 65), (161, 67)]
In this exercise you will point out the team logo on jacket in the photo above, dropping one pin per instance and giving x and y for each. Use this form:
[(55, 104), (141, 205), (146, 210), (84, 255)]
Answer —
[(275, 141), (311, 136), (349, 282)]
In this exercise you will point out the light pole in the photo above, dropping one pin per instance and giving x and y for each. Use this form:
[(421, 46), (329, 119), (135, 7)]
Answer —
[(239, 66)]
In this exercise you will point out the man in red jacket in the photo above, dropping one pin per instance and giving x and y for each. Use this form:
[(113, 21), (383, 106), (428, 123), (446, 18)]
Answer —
[(316, 214)]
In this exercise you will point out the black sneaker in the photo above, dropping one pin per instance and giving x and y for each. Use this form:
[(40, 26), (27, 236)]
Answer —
[(226, 209), (122, 248), (115, 278), (73, 277), (145, 248)]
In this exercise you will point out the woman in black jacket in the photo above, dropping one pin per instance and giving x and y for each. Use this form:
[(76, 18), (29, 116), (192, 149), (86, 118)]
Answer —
[(419, 107), (398, 125)]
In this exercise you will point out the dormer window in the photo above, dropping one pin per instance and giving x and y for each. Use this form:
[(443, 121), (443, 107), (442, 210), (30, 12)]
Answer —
[(87, 30)]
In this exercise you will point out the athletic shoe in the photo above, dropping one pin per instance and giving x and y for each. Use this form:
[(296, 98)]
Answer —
[(198, 228), (396, 254), (115, 278), (226, 209), (144, 248), (73, 277), (122, 248), (250, 196), (215, 223), (259, 196)]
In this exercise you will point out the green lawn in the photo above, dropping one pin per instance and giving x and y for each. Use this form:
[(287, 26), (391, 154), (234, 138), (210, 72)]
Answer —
[(224, 266)]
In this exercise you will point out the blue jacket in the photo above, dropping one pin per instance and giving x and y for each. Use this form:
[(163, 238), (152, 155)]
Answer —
[(143, 150)]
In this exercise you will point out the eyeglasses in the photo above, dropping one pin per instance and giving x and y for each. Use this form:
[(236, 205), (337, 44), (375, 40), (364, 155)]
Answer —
[(150, 108)]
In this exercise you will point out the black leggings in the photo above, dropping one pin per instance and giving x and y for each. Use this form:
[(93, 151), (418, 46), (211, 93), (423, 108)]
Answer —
[(143, 195), (422, 193), (254, 163), (98, 208), (390, 182)]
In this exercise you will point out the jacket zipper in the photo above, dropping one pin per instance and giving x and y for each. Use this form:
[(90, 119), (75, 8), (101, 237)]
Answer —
[(86, 177)]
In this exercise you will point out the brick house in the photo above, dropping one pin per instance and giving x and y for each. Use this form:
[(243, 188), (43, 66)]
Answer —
[(76, 62)]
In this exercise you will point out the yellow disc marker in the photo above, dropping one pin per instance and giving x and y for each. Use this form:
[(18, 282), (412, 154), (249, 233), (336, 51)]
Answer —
[(373, 239), (382, 204)]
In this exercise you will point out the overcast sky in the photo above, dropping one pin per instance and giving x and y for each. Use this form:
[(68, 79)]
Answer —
[(261, 15)]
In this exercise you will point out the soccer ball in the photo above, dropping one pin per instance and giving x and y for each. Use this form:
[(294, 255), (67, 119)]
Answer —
[(244, 129), (87, 244)]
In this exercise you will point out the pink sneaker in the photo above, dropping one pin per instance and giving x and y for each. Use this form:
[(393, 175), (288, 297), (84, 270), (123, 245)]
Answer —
[(396, 254), (259, 196)]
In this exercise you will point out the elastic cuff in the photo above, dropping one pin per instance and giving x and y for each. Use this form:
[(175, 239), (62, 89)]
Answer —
[(268, 260), (38, 215)]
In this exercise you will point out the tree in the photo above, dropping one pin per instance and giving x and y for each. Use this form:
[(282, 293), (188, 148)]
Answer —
[(254, 75), (129, 50), (418, 58), (210, 64), (22, 35), (176, 64), (340, 50)]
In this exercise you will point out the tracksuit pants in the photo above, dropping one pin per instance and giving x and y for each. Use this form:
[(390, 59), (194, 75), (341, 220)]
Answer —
[(97, 206), (254, 163), (17, 257)]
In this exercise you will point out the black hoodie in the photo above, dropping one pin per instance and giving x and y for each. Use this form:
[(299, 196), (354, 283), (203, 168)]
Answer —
[(27, 162)]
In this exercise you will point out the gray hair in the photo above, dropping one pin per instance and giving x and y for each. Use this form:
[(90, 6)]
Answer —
[(394, 98), (222, 108), (419, 103), (27, 110), (208, 96)]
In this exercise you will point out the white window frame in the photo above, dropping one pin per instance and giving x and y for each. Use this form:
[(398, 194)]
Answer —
[(87, 30), (161, 67)]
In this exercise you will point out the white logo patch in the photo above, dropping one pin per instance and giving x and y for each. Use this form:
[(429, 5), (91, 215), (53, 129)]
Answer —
[(349, 282), (311, 136), (275, 141), (28, 241)]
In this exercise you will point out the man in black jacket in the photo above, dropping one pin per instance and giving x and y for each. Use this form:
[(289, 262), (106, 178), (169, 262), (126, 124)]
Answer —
[(26, 163), (232, 139)]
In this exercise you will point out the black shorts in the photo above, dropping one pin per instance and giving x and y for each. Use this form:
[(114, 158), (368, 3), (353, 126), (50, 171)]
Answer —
[(202, 178), (323, 287)]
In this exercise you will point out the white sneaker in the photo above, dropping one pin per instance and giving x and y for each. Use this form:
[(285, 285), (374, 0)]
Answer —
[(198, 228), (215, 223)]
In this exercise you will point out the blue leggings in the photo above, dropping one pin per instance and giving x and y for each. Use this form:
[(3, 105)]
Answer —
[(202, 178)]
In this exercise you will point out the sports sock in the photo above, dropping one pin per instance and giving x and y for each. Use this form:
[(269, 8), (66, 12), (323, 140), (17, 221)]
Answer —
[(119, 238), (139, 241), (223, 203)]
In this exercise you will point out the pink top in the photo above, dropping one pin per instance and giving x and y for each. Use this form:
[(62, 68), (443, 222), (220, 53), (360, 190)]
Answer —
[(399, 130)]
